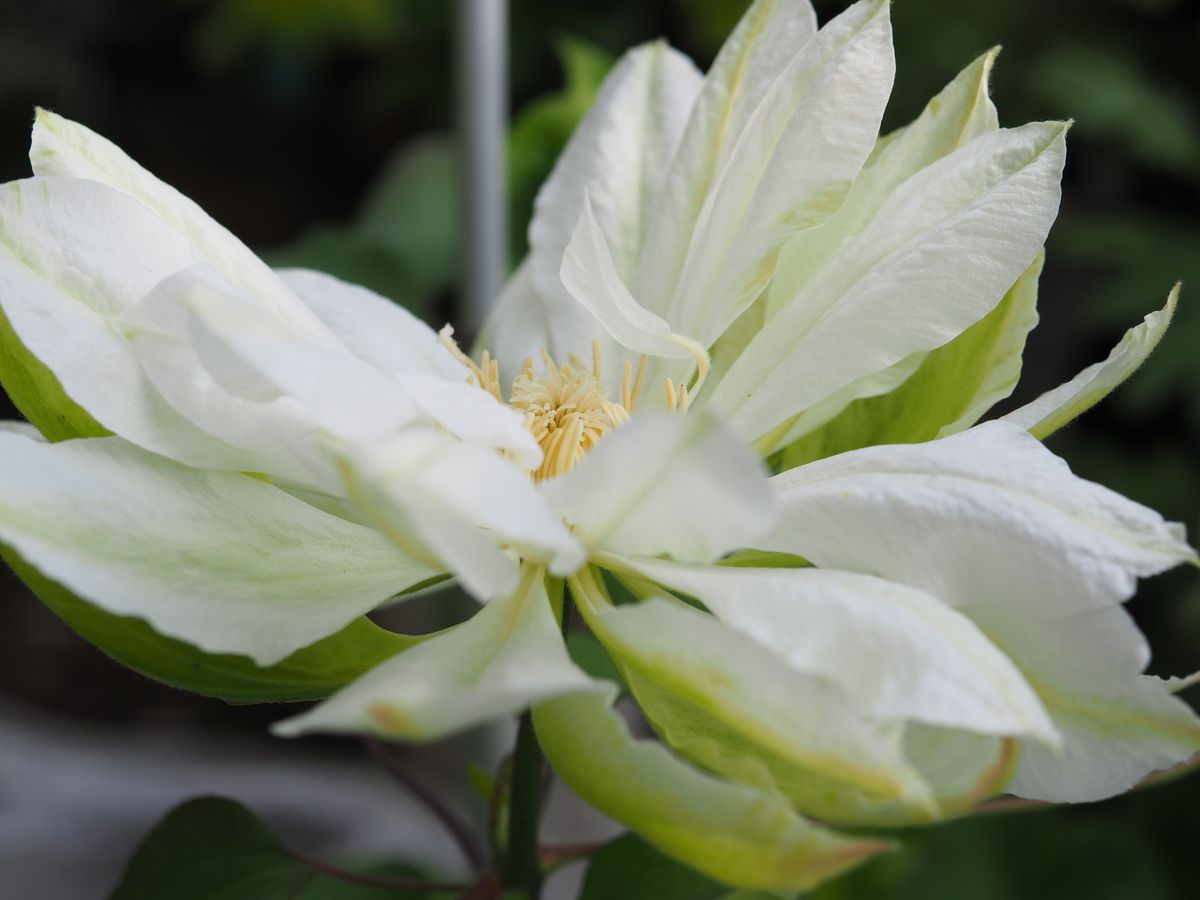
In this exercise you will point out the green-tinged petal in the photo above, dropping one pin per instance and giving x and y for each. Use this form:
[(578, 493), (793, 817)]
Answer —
[(718, 697), (442, 499), (223, 561), (311, 673), (1118, 725), (790, 167), (39, 396), (939, 256), (950, 389), (996, 526), (767, 39), (897, 652), (738, 834), (64, 148), (509, 655), (961, 112), (66, 274), (678, 485), (962, 769), (1056, 408)]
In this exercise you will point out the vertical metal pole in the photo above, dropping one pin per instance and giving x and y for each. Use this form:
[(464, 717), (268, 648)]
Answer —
[(482, 127)]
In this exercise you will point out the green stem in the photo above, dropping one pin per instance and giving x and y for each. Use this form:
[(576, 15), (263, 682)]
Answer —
[(522, 867)]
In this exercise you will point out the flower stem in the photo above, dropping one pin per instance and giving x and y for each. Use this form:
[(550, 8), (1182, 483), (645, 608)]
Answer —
[(375, 881), (458, 829), (522, 867)]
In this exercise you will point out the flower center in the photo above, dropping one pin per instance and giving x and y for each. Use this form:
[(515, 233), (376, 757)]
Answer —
[(566, 407)]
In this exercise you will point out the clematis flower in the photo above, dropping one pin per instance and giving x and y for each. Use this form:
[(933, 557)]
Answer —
[(738, 377)]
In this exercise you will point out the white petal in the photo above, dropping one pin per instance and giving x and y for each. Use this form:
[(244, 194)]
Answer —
[(987, 517), (523, 323), (590, 274), (769, 36), (617, 155), (223, 561), (75, 255), (393, 340), (899, 653), (1056, 408), (509, 655), (459, 503), (791, 168), (961, 112), (993, 524), (245, 375), (680, 485), (940, 254), (1118, 725), (61, 147), (261, 360), (373, 328)]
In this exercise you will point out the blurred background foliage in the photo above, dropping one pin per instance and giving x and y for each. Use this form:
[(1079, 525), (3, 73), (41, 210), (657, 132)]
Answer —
[(321, 132)]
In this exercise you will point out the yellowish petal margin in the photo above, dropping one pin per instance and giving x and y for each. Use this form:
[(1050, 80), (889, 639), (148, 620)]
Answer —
[(738, 834)]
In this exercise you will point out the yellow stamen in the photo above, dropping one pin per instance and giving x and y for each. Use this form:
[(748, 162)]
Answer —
[(487, 375), (566, 407)]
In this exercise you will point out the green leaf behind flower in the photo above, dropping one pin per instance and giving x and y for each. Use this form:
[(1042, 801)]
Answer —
[(212, 849), (633, 870)]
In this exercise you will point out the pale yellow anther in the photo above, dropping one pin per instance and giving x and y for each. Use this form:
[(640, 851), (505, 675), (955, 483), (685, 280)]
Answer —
[(567, 409), (486, 375)]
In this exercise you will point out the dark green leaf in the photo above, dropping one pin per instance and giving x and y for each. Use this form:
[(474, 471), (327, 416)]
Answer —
[(212, 849), (631, 869), (312, 673), (324, 887)]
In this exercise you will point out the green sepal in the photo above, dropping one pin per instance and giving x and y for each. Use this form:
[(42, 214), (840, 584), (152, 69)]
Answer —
[(37, 393), (311, 673)]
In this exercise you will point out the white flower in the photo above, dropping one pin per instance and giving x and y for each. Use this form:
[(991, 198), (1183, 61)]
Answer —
[(885, 635)]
